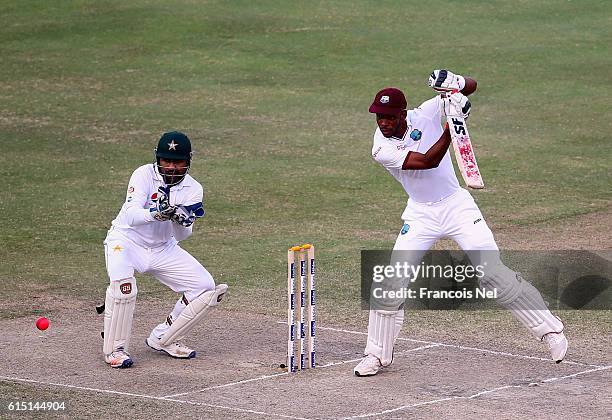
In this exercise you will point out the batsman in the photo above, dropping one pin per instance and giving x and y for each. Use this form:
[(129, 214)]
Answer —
[(413, 146), (161, 205)]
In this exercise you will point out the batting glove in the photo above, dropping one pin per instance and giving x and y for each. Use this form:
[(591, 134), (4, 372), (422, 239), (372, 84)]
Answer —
[(456, 105), (445, 81)]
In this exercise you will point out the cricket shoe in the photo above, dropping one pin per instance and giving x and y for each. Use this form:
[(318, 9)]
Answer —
[(119, 359), (369, 366), (557, 344), (176, 349)]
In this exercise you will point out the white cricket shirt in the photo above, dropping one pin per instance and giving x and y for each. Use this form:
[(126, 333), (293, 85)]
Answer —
[(427, 185), (134, 219)]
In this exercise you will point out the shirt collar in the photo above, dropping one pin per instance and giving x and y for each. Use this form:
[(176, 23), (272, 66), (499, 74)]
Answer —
[(408, 130)]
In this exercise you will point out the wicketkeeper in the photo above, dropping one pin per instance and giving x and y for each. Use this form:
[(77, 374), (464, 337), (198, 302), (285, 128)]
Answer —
[(161, 205), (413, 147)]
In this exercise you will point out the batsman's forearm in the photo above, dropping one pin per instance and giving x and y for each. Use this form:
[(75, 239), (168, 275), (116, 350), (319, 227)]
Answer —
[(432, 158), (436, 152)]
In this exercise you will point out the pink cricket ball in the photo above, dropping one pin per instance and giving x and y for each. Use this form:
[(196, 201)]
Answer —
[(42, 323)]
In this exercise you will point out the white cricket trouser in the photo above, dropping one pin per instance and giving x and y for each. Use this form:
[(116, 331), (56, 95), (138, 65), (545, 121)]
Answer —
[(169, 263), (456, 217)]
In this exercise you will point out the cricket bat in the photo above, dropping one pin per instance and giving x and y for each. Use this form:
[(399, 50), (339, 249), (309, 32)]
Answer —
[(464, 153)]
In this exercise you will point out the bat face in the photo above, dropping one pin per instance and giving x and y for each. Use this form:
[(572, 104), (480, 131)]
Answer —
[(464, 154)]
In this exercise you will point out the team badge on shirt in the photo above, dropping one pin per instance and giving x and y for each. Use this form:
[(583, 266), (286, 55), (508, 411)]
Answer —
[(405, 229), (416, 134)]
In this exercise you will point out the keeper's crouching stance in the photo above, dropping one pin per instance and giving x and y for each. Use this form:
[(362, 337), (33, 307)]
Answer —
[(413, 147), (162, 203)]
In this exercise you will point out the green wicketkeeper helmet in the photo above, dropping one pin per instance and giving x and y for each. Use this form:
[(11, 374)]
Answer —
[(173, 146)]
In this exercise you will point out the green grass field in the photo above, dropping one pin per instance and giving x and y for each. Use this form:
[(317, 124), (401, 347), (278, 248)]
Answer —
[(274, 96)]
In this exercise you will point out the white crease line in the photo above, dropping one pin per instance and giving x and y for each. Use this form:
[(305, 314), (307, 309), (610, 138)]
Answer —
[(576, 374), (430, 346), (491, 391), (150, 397), (499, 353), (243, 410), (343, 362), (520, 356), (476, 395), (260, 378)]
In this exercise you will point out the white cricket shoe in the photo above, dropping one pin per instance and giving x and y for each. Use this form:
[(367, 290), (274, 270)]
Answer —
[(370, 365), (176, 349), (557, 344), (119, 359)]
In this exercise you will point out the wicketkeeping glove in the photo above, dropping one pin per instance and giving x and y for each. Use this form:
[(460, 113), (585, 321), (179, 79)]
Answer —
[(456, 105), (183, 217), (187, 215), (445, 81), (163, 210)]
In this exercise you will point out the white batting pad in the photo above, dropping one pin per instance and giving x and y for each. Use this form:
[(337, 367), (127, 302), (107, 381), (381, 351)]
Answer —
[(522, 299), (399, 322), (191, 315), (118, 313), (531, 310), (383, 329)]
